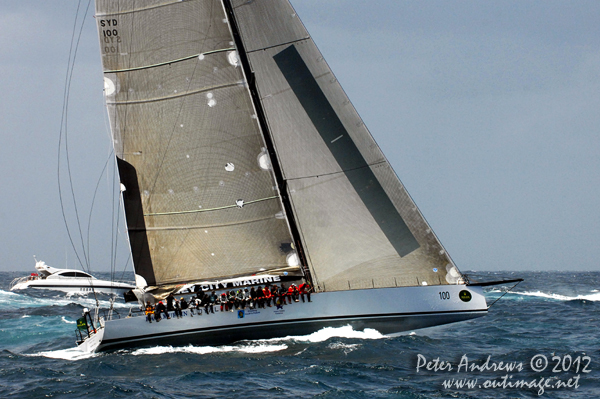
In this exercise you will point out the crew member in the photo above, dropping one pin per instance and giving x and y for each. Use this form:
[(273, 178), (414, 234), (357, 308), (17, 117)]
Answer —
[(149, 312), (160, 308), (305, 288)]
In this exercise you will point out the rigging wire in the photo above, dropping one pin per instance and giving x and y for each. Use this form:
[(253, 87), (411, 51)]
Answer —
[(116, 178), (114, 230), (116, 199), (74, 46), (64, 132), (505, 292), (92, 205), (86, 263), (116, 195)]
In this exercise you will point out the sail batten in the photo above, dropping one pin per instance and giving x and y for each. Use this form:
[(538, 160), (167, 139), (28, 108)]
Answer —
[(210, 209), (285, 44), (175, 96), (160, 3), (168, 62), (338, 172), (204, 226)]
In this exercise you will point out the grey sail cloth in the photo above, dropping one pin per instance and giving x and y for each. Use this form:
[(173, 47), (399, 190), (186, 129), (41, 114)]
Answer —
[(359, 226), (198, 204)]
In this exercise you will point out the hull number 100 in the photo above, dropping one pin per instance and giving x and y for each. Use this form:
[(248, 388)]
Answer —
[(444, 295)]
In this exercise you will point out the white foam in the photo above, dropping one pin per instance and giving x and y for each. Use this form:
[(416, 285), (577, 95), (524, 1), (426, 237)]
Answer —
[(67, 321), (346, 348), (591, 297), (203, 350), (18, 300), (66, 354), (270, 345), (329, 332), (6, 296)]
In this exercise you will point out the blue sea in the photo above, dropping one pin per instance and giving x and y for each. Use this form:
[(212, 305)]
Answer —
[(541, 340)]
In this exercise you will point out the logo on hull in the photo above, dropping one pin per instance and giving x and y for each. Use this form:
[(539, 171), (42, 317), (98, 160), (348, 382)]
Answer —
[(465, 296)]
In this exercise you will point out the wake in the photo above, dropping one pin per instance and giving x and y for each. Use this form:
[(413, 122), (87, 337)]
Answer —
[(66, 354), (18, 300), (268, 345), (595, 297)]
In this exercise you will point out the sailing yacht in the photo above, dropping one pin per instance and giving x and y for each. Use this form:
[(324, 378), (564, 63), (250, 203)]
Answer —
[(242, 163)]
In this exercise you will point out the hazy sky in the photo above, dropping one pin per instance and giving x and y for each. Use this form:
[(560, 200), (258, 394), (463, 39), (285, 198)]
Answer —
[(488, 111)]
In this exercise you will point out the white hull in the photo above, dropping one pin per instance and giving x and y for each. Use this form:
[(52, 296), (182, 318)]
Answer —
[(74, 285), (91, 343), (388, 310)]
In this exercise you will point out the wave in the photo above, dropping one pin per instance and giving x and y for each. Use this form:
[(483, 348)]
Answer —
[(346, 348), (333, 332), (595, 297), (18, 300), (66, 354), (203, 350)]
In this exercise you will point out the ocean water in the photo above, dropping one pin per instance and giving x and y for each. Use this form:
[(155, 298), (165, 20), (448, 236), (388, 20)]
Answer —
[(541, 340)]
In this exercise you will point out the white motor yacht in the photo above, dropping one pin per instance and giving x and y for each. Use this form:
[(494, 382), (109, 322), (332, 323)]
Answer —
[(67, 280)]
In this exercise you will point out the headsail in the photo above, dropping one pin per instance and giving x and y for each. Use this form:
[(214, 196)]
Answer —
[(359, 226), (200, 200)]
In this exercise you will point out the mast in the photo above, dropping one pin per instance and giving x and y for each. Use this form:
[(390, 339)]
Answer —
[(260, 113)]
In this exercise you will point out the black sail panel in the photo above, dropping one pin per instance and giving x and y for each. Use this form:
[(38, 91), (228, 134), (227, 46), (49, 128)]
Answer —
[(136, 227)]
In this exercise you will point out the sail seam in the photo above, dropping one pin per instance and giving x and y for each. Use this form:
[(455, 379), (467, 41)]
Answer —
[(169, 62), (210, 209), (187, 93), (336, 173)]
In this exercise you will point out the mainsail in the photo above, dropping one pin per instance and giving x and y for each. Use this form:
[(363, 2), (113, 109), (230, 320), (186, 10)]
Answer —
[(237, 147), (198, 203)]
